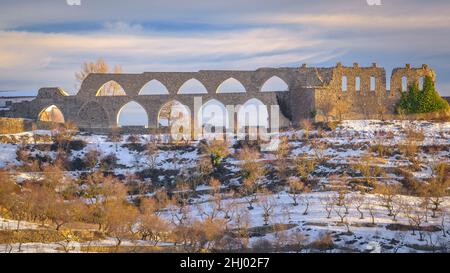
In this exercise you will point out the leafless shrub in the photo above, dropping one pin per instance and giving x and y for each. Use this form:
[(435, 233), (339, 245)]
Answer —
[(328, 204), (386, 194)]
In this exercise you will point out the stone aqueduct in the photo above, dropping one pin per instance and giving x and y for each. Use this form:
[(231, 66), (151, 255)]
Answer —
[(312, 93)]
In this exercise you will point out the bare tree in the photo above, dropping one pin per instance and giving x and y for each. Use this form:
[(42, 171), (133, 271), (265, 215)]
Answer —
[(306, 201), (213, 230), (63, 212), (369, 170), (372, 212), (204, 168), (100, 66), (252, 171), (328, 203), (304, 167), (152, 154), (281, 156), (217, 195), (19, 209), (9, 192), (286, 213), (347, 203), (415, 217), (242, 220), (396, 207), (295, 188), (229, 208), (267, 203), (307, 126), (359, 202), (400, 237), (386, 194), (432, 241), (151, 227), (91, 158), (343, 216), (69, 238), (319, 150), (120, 220), (437, 187), (251, 165), (249, 190)]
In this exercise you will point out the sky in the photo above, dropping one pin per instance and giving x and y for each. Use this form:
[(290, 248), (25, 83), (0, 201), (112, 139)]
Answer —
[(43, 43)]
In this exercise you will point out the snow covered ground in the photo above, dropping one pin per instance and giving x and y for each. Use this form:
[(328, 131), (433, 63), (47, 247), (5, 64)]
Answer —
[(315, 223), (342, 147)]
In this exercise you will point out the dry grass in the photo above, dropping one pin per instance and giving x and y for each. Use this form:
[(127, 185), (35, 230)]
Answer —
[(129, 249), (45, 236)]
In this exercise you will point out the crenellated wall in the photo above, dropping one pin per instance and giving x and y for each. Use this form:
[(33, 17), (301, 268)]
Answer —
[(312, 92), (372, 100)]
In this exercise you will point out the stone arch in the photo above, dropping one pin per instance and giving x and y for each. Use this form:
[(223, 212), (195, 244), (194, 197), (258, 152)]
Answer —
[(213, 117), (253, 113), (192, 86), (93, 115), (110, 88), (51, 114), (231, 85), (132, 114), (170, 111), (274, 84), (176, 117), (154, 87)]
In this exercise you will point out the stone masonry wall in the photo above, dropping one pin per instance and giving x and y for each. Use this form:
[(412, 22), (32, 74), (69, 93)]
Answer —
[(333, 102), (313, 93)]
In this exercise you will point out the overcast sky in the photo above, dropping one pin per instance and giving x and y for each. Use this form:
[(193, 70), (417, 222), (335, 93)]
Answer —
[(43, 43)]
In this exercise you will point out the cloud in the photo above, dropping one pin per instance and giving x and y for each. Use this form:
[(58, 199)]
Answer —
[(43, 57), (49, 42), (335, 21), (123, 27)]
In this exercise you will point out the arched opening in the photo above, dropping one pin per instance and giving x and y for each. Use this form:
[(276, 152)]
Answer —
[(358, 84), (372, 83), (63, 92), (154, 87), (175, 117), (252, 117), (111, 88), (192, 86), (404, 84), (51, 114), (231, 85), (344, 84), (421, 81), (274, 84), (214, 120), (132, 114)]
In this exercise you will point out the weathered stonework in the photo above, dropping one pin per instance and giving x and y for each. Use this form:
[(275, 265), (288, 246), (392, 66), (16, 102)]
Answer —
[(313, 92)]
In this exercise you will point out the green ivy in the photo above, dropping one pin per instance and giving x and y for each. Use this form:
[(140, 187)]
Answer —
[(426, 100)]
